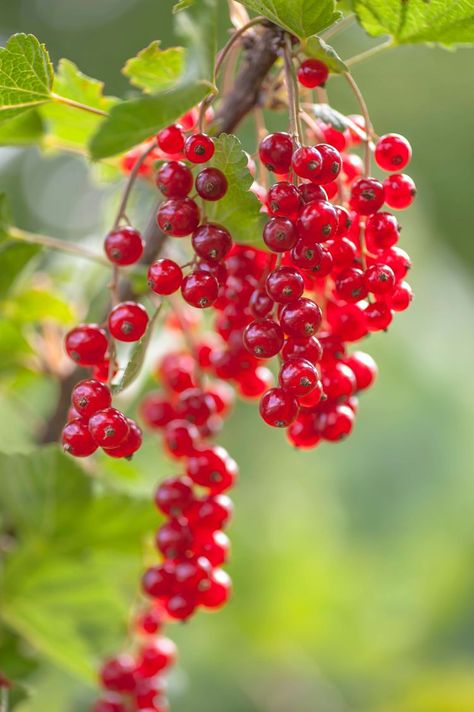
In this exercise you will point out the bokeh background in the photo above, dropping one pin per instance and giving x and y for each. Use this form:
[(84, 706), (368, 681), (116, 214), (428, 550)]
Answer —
[(353, 564)]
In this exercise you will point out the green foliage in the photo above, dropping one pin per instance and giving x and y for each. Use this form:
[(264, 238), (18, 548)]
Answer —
[(301, 17), (26, 75), (131, 122), (182, 5), (24, 129), (441, 21), (155, 69), (319, 49)]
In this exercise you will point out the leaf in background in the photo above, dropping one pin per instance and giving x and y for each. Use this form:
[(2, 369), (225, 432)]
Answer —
[(301, 17), (38, 305), (26, 75), (134, 121), (154, 69), (137, 356), (441, 21), (14, 256), (182, 5), (24, 129), (13, 346), (330, 116), (239, 209), (67, 124), (4, 217), (319, 49)]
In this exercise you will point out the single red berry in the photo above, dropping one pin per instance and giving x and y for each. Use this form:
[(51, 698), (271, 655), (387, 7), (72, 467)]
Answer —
[(310, 192), (117, 674), (284, 285), (308, 254), (317, 221), (298, 376), (174, 495), (181, 607), (364, 369), (174, 179), (199, 148), (159, 581), (128, 321), (344, 221), (189, 120), (217, 592), (308, 349), (174, 539), (200, 289), (214, 546), (124, 246), (181, 438), (379, 279), (171, 140), (397, 259), (195, 405), (336, 422), (367, 196), (313, 73), (211, 184), (148, 694), (278, 407), (350, 284), (401, 297), (338, 381), (89, 396), (348, 322), (313, 398), (210, 513), (275, 152), (343, 252), (263, 338), (260, 304), (76, 439), (156, 410), (381, 231), (284, 200), (307, 162), (86, 344), (301, 319), (335, 138), (156, 656), (279, 234), (164, 276), (192, 574), (378, 316), (303, 432), (149, 622), (129, 446), (109, 427), (253, 383), (212, 242), (392, 152), (330, 167), (352, 166), (400, 191), (213, 468), (178, 217)]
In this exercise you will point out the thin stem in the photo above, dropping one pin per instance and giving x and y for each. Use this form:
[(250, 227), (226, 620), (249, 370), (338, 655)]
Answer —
[(55, 244), (312, 125), (293, 102), (130, 183), (3, 699), (365, 113), (338, 27), (369, 53), (77, 105)]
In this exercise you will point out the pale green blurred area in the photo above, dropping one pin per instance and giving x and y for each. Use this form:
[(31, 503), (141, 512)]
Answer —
[(353, 564)]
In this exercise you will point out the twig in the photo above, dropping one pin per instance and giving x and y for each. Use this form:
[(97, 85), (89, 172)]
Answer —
[(365, 113), (54, 244), (369, 53), (293, 103), (77, 105)]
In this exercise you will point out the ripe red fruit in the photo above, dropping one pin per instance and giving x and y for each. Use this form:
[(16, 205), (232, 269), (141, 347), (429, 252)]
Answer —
[(164, 276), (128, 321), (180, 438), (275, 152), (109, 704), (401, 297), (200, 289), (218, 590), (350, 284), (212, 242), (195, 405), (307, 162), (278, 407), (311, 191), (156, 410), (284, 200), (378, 316), (263, 338), (313, 73), (109, 427), (367, 196), (211, 184), (124, 246), (159, 581), (117, 674), (400, 191), (309, 349), (317, 221), (260, 304), (129, 445), (298, 376), (76, 439), (171, 139), (174, 179), (364, 369), (213, 468), (336, 422), (156, 656), (392, 152), (253, 383), (181, 607), (303, 432), (174, 495), (338, 381), (211, 513), (89, 396), (199, 148), (301, 319), (279, 234), (381, 231), (379, 279), (308, 254), (174, 539), (398, 260), (86, 344), (214, 546), (284, 285), (331, 165), (178, 217)]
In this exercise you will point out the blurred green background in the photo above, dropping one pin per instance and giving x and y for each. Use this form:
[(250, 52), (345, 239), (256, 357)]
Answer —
[(353, 564)]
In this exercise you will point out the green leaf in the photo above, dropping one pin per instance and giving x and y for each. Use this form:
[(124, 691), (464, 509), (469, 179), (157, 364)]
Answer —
[(239, 210), (33, 306), (134, 121), (14, 256), (13, 346), (26, 75), (137, 357), (330, 116), (319, 49), (182, 5), (440, 21), (301, 17), (154, 69), (66, 124), (4, 217), (24, 129)]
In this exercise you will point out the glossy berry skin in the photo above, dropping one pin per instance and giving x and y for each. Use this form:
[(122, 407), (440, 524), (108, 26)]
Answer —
[(174, 539), (174, 179), (392, 152), (181, 438), (156, 410), (124, 246), (311, 191), (278, 407), (336, 423), (210, 513), (308, 349), (263, 338), (128, 321), (129, 446), (164, 276), (211, 184), (381, 231), (217, 592), (398, 260), (199, 148), (309, 255), (344, 221), (307, 162), (212, 242), (109, 427), (303, 432), (313, 73), (284, 285), (159, 581), (350, 285), (378, 316), (401, 297), (275, 152), (279, 234), (214, 546), (213, 468), (331, 164), (301, 319), (260, 304), (367, 196), (117, 674), (178, 217), (76, 439), (180, 607), (174, 495), (89, 396), (400, 191), (379, 279), (298, 376), (156, 656), (200, 289), (253, 383), (364, 369), (283, 200), (86, 344), (317, 221), (171, 140), (195, 405), (338, 381)]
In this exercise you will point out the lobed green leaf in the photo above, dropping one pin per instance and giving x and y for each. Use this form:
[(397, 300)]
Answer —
[(155, 69), (301, 17), (22, 130), (319, 49)]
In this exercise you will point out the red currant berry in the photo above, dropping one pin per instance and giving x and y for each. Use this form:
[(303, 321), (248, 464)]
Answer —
[(301, 319), (284, 285), (352, 166), (263, 338), (156, 410), (307, 162), (199, 148), (180, 607), (400, 191), (392, 152), (178, 217), (211, 513), (350, 285), (128, 321), (109, 427), (303, 432), (378, 316), (398, 260), (212, 242), (364, 369), (174, 539), (181, 438), (174, 495), (90, 396), (367, 196), (331, 164), (174, 179), (313, 73), (200, 289), (171, 140), (283, 200), (342, 251), (308, 349), (278, 407), (309, 255), (86, 344), (211, 184), (401, 297), (253, 383), (159, 581), (381, 231), (335, 138), (344, 221), (275, 152), (379, 279), (310, 192), (338, 381), (336, 423), (317, 221), (76, 439), (156, 656), (298, 376), (130, 445), (117, 674), (164, 276), (260, 304), (195, 405), (218, 590), (212, 468), (124, 246), (279, 234), (214, 546)]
